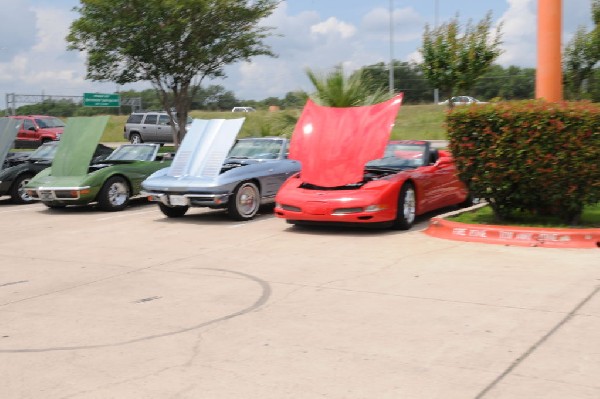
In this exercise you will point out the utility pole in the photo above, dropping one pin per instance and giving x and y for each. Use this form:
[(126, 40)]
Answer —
[(391, 47), (436, 92)]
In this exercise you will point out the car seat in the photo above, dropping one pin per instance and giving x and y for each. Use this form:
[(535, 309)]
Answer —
[(433, 156)]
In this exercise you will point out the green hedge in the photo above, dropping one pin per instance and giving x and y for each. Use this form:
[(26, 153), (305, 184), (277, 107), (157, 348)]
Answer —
[(529, 156)]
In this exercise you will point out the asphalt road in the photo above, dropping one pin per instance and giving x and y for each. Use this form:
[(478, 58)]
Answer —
[(134, 305)]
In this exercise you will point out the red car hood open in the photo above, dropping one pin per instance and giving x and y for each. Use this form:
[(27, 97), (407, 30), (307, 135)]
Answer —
[(334, 144)]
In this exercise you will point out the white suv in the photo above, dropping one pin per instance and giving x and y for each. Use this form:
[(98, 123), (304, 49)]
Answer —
[(149, 127)]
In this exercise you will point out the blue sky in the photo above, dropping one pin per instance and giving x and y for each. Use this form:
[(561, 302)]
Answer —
[(316, 34)]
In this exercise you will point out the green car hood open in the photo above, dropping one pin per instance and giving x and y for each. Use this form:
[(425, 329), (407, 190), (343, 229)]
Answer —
[(77, 146), (8, 133)]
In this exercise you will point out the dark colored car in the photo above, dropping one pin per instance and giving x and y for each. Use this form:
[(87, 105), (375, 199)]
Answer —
[(35, 130), (23, 166)]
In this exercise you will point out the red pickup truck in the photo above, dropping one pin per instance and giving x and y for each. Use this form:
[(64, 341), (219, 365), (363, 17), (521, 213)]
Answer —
[(35, 130)]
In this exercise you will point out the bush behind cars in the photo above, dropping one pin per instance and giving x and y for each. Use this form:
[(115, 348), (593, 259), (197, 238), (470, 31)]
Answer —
[(530, 156)]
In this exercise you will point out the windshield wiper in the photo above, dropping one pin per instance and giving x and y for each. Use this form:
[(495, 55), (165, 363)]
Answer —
[(384, 168)]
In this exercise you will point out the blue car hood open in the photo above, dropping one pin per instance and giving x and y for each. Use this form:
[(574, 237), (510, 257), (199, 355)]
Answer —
[(8, 133), (334, 144), (204, 148)]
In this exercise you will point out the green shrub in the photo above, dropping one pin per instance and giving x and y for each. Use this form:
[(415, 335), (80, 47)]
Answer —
[(531, 156)]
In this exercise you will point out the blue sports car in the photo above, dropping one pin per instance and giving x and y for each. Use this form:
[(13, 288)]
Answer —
[(208, 171)]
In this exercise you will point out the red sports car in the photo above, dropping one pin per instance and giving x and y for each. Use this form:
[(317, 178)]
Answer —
[(409, 178)]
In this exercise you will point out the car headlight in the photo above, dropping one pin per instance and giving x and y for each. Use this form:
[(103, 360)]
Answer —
[(375, 208)]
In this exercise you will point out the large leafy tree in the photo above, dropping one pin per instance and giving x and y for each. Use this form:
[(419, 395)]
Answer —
[(174, 44), (453, 59), (581, 56)]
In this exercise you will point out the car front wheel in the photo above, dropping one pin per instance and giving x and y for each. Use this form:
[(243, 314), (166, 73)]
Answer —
[(173, 211), (18, 195), (244, 202), (114, 195), (135, 138), (407, 206)]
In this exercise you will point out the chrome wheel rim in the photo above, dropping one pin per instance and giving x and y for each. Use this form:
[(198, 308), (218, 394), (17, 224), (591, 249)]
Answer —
[(135, 139), (118, 192), (22, 192), (247, 200), (409, 205)]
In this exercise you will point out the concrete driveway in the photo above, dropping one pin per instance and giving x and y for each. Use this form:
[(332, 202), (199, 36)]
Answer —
[(134, 305)]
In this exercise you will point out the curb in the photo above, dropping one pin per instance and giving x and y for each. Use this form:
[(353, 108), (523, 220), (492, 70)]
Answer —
[(512, 235)]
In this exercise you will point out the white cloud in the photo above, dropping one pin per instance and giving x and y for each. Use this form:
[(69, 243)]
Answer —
[(332, 26), (407, 24), (52, 27), (519, 33)]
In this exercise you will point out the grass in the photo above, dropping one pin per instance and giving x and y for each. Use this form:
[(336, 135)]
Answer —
[(590, 218), (419, 122)]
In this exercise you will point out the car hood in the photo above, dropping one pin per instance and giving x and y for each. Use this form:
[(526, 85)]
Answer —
[(59, 181), (204, 148), (334, 144), (77, 145), (8, 133)]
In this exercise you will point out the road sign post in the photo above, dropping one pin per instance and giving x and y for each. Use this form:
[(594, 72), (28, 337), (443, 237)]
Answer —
[(101, 100)]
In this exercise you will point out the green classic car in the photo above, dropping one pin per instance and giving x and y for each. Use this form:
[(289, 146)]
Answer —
[(110, 183)]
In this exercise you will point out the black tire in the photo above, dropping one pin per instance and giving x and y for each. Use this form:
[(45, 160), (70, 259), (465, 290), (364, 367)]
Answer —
[(173, 211), (406, 213), (53, 205), (244, 202), (114, 195), (17, 193), (135, 138)]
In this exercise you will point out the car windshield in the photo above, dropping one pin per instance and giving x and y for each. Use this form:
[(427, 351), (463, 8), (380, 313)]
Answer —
[(400, 155), (133, 152), (49, 122), (256, 149), (44, 152)]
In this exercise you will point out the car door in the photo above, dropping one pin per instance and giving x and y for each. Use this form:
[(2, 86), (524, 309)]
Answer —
[(27, 132), (149, 127), (164, 132)]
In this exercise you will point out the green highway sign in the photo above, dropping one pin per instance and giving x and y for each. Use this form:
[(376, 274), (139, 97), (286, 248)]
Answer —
[(101, 100)]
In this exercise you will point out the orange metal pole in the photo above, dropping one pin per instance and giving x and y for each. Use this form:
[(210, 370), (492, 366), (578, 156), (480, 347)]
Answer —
[(548, 84)]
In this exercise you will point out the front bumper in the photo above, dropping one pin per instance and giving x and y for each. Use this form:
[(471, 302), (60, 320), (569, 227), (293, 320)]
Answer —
[(333, 212), (73, 195), (214, 200)]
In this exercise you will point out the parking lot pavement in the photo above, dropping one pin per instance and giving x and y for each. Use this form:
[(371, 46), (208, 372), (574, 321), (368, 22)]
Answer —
[(134, 305)]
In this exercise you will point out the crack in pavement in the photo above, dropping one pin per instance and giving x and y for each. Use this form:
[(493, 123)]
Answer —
[(537, 344)]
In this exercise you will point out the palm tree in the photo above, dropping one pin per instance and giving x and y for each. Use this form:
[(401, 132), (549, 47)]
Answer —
[(334, 89)]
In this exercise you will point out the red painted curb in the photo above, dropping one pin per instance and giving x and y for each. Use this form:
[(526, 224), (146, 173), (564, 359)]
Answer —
[(511, 235)]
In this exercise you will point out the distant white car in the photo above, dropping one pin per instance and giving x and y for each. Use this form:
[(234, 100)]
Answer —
[(462, 100), (243, 109)]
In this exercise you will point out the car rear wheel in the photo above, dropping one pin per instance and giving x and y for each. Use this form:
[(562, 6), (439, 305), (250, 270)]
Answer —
[(114, 195), (407, 206), (135, 138), (244, 202), (18, 195), (173, 211)]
